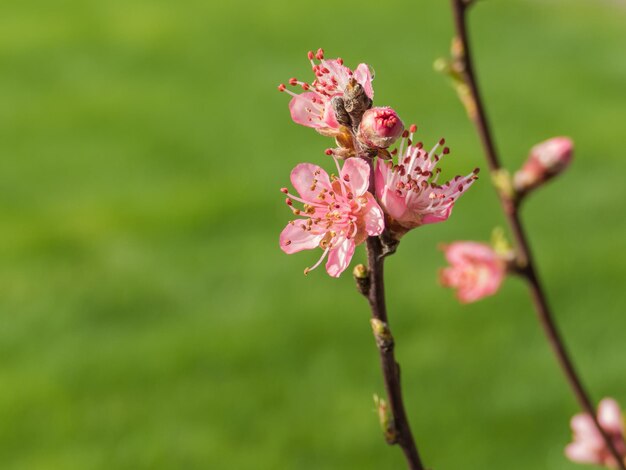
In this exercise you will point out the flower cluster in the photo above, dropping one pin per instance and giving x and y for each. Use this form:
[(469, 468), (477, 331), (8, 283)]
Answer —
[(367, 197), (588, 446)]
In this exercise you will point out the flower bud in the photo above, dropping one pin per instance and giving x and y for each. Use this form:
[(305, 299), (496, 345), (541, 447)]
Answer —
[(386, 420), (546, 160), (380, 127), (362, 277)]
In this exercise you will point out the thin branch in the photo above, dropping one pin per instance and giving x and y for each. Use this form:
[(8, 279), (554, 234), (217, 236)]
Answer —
[(375, 293), (529, 272)]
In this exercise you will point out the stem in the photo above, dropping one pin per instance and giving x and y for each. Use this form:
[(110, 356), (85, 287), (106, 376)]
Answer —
[(529, 272), (391, 369)]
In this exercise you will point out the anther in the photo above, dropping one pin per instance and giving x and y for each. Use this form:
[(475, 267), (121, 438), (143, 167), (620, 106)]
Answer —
[(289, 202), (320, 54), (328, 151), (293, 81), (446, 150), (310, 55), (284, 190), (281, 87), (442, 141), (412, 128), (405, 134)]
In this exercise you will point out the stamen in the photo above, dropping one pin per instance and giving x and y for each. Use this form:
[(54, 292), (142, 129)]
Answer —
[(319, 261)]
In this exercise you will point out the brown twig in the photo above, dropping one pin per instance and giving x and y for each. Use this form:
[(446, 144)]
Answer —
[(375, 294), (511, 209)]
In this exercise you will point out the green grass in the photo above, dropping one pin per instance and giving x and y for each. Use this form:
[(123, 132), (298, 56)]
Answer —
[(148, 319)]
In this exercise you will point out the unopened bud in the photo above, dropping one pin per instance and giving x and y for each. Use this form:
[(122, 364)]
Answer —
[(442, 65), (546, 160), (380, 127), (362, 277), (382, 334), (386, 420), (360, 271)]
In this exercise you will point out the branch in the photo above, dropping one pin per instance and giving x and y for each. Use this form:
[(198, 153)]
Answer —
[(374, 290), (529, 272)]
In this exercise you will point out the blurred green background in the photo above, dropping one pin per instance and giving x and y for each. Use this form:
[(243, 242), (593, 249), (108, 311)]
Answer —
[(148, 319)]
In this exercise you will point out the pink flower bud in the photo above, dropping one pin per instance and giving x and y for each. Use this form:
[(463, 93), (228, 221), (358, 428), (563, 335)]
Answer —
[(588, 446), (546, 160), (475, 270), (380, 127)]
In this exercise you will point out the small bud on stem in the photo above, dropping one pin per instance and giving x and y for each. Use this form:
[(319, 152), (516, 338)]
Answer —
[(362, 277), (386, 420), (382, 334), (546, 160)]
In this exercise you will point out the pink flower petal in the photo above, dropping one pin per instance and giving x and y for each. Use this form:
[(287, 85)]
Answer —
[(461, 252), (394, 205), (581, 453), (437, 217), (339, 257), (307, 110), (486, 283), (357, 172), (610, 416), (308, 179), (363, 75), (373, 216), (585, 429), (294, 238), (329, 119)]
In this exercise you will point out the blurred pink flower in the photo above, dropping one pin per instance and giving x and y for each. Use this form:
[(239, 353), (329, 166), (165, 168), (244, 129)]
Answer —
[(313, 108), (588, 445), (546, 160), (476, 270), (408, 191), (339, 213)]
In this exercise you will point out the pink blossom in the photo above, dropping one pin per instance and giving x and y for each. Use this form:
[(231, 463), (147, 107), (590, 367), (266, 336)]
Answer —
[(476, 270), (408, 191), (588, 445), (313, 107), (380, 127), (546, 160), (339, 213)]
